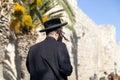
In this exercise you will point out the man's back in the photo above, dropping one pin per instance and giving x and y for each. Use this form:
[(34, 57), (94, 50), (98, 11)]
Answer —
[(48, 61)]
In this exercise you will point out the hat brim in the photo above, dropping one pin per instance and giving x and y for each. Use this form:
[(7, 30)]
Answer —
[(54, 27)]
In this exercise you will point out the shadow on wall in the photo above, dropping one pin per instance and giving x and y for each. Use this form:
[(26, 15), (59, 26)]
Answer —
[(9, 71), (17, 61), (74, 41)]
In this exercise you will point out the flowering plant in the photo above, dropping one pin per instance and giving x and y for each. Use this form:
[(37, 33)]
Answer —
[(22, 21)]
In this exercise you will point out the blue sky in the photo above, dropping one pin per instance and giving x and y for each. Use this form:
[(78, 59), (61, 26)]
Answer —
[(103, 12)]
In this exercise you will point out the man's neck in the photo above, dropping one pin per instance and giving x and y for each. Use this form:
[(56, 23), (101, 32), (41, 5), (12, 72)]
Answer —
[(53, 37)]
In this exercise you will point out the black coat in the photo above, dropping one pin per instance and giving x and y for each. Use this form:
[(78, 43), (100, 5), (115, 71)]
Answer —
[(48, 60)]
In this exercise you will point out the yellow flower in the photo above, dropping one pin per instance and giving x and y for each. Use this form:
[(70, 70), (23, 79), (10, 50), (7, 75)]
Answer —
[(19, 10), (27, 21), (15, 25), (45, 18), (39, 2)]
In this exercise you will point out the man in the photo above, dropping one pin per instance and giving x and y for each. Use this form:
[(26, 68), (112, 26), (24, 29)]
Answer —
[(105, 75), (49, 59), (95, 77)]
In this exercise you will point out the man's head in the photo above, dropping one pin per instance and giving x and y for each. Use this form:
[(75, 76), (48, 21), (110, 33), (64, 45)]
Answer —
[(105, 72), (53, 28)]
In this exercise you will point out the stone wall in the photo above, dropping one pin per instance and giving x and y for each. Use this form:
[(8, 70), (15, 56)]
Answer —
[(95, 47), (117, 59)]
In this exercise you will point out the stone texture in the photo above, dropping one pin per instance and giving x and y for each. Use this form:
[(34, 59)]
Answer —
[(96, 47)]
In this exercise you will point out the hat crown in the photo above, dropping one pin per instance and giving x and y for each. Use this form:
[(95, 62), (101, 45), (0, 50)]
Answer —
[(52, 22)]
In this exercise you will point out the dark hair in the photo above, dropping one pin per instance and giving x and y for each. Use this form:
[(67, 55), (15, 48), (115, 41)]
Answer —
[(51, 30), (61, 35), (47, 32), (105, 72), (59, 32)]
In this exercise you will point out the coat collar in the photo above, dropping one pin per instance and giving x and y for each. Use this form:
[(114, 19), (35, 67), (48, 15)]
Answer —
[(50, 38)]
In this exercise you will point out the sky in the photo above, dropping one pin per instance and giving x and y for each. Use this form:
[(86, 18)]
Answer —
[(103, 12)]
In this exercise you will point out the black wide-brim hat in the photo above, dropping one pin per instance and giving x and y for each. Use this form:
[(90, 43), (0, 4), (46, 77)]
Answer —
[(53, 24)]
